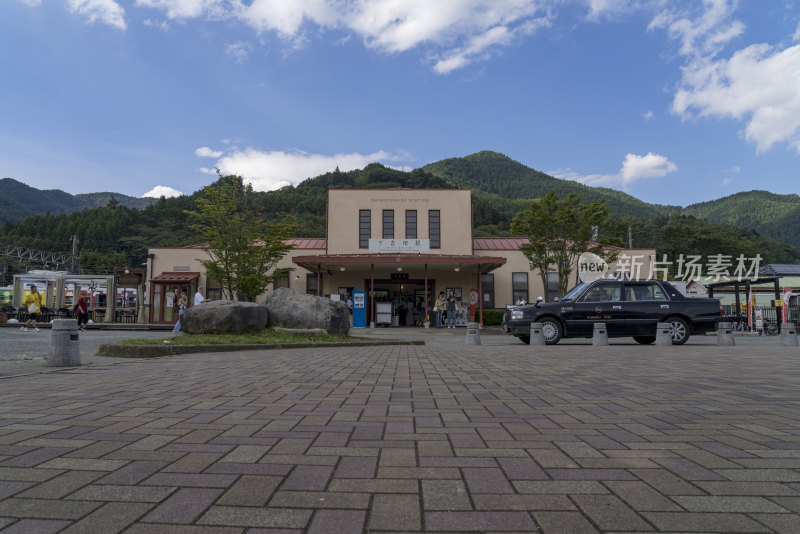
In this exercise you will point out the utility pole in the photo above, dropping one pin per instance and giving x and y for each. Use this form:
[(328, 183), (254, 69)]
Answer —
[(74, 251), (630, 236)]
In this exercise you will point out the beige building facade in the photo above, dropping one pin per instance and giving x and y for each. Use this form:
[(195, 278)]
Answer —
[(394, 244)]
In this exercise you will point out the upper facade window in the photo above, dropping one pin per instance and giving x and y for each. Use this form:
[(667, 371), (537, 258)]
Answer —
[(364, 228), (411, 224), (388, 224), (435, 228)]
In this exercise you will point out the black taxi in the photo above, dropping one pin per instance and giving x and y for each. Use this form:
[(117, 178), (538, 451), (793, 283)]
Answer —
[(627, 307)]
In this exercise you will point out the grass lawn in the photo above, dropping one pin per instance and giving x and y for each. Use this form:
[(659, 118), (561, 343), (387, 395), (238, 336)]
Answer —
[(267, 336)]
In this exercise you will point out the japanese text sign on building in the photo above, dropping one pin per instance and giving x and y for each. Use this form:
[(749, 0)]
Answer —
[(400, 245)]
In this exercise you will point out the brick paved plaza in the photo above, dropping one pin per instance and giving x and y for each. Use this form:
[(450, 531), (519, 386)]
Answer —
[(564, 439)]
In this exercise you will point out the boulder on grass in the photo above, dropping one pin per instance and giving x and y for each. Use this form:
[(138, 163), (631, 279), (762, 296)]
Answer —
[(292, 309), (224, 317)]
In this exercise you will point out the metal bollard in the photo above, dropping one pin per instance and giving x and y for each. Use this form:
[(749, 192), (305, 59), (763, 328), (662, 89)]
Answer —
[(537, 338), (64, 347), (600, 335), (473, 334), (725, 335), (789, 335), (663, 334)]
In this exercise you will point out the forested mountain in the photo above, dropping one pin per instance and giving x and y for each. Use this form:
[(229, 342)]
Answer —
[(18, 200), (771, 215), (117, 235), (493, 173)]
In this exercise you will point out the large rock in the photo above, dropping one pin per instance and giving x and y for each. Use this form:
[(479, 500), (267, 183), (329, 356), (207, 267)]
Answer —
[(293, 309), (224, 317)]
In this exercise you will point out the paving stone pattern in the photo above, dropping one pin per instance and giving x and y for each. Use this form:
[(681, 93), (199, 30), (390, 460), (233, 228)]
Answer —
[(451, 439)]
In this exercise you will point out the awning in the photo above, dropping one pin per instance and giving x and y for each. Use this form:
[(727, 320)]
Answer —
[(322, 262), (182, 276)]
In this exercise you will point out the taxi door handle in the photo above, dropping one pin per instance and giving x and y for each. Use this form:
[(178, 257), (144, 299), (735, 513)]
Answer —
[(665, 306), (616, 307)]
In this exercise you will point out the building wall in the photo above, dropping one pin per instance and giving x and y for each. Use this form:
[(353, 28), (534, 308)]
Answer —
[(455, 207)]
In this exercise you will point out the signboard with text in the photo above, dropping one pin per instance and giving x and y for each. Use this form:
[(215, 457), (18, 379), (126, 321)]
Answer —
[(422, 246)]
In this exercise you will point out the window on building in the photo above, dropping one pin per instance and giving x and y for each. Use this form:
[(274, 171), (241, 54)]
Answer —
[(487, 286), (311, 283), (283, 281), (552, 287), (213, 290), (411, 224), (364, 228), (388, 224), (435, 229), (519, 286)]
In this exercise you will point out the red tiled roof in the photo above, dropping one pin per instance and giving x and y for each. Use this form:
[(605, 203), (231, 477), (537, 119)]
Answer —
[(179, 276), (498, 243), (308, 242)]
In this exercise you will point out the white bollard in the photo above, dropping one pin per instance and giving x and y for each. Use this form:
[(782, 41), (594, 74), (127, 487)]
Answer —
[(537, 338), (600, 335), (663, 334), (725, 335), (789, 335), (473, 334), (64, 347)]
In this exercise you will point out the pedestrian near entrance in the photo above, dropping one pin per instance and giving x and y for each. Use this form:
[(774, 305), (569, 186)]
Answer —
[(82, 312), (438, 308), (198, 297), (452, 308), (34, 304), (182, 303)]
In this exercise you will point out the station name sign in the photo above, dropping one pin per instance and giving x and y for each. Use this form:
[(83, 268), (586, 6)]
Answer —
[(420, 246)]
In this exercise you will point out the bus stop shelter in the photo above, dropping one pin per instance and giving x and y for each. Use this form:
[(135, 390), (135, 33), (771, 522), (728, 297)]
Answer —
[(748, 286)]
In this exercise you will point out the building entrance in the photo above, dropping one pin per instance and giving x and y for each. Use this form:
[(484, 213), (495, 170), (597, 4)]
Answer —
[(407, 298)]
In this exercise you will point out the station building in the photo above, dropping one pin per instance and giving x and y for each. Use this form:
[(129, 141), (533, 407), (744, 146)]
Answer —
[(407, 244)]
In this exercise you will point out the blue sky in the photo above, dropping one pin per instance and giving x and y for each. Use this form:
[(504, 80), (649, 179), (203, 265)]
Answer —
[(674, 102)]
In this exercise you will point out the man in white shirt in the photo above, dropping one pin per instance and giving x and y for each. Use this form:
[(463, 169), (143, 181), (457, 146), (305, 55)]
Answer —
[(198, 297)]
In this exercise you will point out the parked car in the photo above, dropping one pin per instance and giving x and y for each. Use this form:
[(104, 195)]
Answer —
[(627, 307)]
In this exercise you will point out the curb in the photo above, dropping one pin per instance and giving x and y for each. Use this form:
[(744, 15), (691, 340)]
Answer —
[(158, 351)]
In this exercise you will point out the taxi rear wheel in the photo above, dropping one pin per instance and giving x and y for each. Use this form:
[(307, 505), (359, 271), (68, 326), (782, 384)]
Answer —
[(679, 329)]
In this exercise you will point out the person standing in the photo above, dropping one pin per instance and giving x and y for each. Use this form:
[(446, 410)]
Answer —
[(438, 308), (82, 311), (34, 304), (198, 297), (452, 307), (182, 303)]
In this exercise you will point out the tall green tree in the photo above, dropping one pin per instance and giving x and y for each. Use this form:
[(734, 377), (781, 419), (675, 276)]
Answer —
[(243, 246), (559, 231)]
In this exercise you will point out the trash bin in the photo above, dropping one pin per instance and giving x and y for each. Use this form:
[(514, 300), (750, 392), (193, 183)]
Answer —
[(64, 347)]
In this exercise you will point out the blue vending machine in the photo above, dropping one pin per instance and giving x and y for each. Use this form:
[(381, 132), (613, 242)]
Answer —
[(359, 309)]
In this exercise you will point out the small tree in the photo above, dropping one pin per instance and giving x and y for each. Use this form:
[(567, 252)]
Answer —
[(559, 231), (243, 246)]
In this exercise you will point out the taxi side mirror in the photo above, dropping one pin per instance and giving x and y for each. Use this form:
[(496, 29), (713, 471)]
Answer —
[(538, 300)]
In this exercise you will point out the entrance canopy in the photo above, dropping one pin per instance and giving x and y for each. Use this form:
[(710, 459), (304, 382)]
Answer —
[(340, 262), (180, 277)]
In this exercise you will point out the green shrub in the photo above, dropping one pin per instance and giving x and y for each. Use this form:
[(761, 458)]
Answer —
[(492, 317)]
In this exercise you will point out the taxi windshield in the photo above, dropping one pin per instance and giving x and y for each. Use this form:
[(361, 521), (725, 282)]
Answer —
[(573, 293)]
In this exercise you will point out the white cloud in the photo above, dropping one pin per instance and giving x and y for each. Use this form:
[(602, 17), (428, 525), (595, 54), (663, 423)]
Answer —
[(239, 51), (757, 84), (649, 115), (726, 181), (156, 24), (272, 170), (103, 11), (205, 152), (456, 32), (162, 191), (634, 168), (600, 9)]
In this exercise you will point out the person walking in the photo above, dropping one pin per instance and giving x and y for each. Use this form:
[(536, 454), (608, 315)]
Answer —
[(438, 308), (452, 307), (182, 303), (82, 311), (34, 304)]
